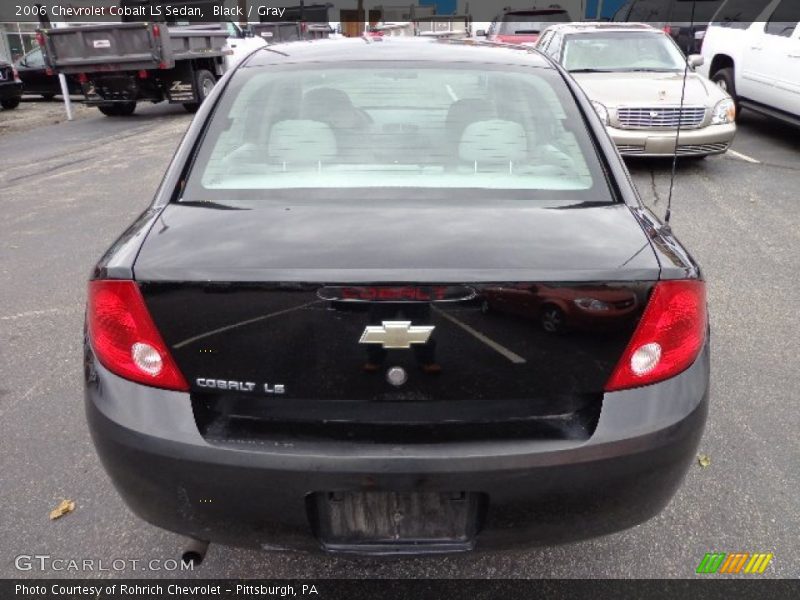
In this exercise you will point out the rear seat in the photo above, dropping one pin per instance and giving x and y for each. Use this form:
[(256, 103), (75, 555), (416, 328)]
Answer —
[(301, 143), (493, 145)]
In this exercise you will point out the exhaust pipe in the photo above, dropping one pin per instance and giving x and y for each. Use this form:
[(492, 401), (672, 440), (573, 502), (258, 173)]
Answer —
[(194, 552)]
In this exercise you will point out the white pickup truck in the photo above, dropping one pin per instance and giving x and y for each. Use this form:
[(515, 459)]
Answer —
[(752, 50)]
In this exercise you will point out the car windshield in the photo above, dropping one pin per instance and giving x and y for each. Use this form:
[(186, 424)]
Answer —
[(622, 51), (327, 132), (522, 23)]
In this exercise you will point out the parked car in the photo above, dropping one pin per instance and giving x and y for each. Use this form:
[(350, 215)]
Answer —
[(10, 86), (38, 78), (523, 26), (752, 51), (633, 74), (685, 20), (287, 363), (559, 309)]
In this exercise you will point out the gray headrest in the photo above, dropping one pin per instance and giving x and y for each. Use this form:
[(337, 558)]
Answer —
[(301, 141), (493, 141)]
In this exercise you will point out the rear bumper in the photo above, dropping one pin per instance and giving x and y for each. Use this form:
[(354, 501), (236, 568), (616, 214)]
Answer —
[(714, 139), (257, 495), (10, 90)]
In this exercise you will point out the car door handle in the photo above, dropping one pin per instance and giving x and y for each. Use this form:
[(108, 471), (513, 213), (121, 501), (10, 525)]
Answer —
[(756, 47), (794, 56)]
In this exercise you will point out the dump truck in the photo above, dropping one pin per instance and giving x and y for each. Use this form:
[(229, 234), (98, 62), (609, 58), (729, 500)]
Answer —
[(121, 64)]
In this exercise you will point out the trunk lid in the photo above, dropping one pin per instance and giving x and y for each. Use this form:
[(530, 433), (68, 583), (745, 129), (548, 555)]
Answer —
[(286, 321)]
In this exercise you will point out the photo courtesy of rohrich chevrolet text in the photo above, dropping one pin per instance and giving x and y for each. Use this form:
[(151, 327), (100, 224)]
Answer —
[(418, 299)]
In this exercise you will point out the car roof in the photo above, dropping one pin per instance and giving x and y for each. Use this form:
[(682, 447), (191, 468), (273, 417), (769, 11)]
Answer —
[(395, 49), (588, 28)]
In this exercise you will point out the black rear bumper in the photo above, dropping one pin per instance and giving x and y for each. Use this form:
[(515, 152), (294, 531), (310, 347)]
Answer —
[(536, 492), (10, 90)]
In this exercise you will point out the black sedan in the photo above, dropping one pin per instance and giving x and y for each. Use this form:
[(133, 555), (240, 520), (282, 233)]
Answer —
[(287, 349), (10, 86), (38, 79)]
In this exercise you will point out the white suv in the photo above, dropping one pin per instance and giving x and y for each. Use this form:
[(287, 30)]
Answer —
[(752, 50)]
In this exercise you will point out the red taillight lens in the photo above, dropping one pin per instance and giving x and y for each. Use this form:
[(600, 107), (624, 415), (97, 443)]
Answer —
[(156, 31), (669, 337), (125, 338)]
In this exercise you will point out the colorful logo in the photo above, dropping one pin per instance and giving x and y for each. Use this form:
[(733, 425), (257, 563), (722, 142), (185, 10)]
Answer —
[(736, 562)]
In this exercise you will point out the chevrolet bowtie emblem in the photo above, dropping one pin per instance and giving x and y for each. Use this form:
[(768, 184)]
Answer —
[(396, 334)]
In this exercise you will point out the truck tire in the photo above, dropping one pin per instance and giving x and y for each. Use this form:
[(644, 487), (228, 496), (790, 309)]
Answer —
[(204, 83), (123, 109), (724, 78), (10, 104)]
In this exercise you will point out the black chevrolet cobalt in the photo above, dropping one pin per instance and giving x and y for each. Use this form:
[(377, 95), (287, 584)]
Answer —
[(396, 297)]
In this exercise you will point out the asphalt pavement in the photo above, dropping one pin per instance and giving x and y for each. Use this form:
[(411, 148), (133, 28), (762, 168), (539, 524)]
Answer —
[(67, 191)]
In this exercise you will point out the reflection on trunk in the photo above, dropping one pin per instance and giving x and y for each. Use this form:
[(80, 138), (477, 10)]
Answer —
[(516, 359)]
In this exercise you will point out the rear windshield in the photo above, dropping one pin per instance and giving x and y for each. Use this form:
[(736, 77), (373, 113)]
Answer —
[(740, 14), (525, 23), (372, 128)]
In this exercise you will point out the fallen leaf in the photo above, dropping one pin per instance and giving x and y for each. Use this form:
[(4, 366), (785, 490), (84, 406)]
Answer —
[(66, 506), (704, 460)]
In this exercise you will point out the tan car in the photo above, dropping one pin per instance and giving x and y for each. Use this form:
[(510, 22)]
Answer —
[(633, 73)]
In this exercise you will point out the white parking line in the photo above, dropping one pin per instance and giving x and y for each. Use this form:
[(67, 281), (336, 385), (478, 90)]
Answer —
[(744, 157), (242, 324), (514, 358), (450, 91)]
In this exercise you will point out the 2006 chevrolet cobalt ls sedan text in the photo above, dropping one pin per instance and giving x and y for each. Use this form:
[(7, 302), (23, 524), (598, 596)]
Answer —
[(299, 343)]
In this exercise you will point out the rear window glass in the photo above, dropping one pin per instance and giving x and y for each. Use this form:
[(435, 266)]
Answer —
[(650, 10), (345, 131), (703, 10), (740, 14), (784, 19), (520, 23)]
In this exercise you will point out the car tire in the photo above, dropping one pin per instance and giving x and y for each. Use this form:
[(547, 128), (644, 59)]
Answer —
[(124, 109), (204, 83), (10, 104), (724, 78), (552, 319)]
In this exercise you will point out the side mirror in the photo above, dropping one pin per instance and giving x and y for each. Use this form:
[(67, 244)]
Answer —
[(696, 60), (480, 33)]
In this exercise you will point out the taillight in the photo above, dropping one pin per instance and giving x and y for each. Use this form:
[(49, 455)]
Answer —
[(83, 78), (125, 339), (156, 31), (669, 336)]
